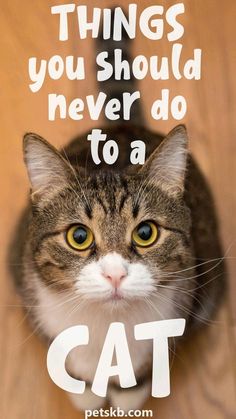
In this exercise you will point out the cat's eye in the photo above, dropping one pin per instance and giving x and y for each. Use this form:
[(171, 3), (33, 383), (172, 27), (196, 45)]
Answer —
[(79, 237), (145, 234)]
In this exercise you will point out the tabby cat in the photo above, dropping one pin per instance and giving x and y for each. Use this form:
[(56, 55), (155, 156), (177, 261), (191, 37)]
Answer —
[(99, 244)]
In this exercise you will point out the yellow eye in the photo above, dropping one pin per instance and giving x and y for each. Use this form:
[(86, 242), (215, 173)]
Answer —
[(145, 234), (79, 237)]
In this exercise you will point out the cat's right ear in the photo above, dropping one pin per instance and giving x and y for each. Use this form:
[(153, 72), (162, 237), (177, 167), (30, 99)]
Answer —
[(166, 166), (47, 169)]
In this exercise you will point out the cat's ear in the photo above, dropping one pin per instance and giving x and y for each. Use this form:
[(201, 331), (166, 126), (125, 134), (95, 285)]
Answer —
[(47, 169), (167, 164)]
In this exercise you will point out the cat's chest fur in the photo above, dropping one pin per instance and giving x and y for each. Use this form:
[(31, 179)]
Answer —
[(57, 312)]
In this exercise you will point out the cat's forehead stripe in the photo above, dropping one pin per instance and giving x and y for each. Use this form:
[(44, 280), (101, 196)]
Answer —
[(122, 201), (114, 190), (135, 209), (88, 210)]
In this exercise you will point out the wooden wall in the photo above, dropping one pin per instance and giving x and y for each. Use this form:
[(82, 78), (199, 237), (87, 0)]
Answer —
[(203, 376)]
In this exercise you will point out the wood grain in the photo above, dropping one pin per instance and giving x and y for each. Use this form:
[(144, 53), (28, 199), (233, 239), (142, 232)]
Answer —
[(203, 375)]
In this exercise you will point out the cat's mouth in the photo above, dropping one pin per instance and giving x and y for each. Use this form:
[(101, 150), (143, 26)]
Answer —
[(116, 295)]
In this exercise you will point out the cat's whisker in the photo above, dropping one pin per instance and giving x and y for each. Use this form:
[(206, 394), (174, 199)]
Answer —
[(76, 178), (143, 186), (208, 282), (173, 351), (35, 330), (188, 311), (154, 307), (194, 276), (74, 310), (183, 291), (85, 170), (48, 306), (219, 261)]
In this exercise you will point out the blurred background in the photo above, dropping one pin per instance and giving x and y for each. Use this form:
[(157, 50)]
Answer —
[(204, 371)]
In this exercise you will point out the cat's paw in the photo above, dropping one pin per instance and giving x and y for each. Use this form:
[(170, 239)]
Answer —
[(131, 399), (87, 400)]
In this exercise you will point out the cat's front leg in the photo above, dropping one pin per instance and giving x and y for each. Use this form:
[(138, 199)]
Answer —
[(87, 400), (130, 399)]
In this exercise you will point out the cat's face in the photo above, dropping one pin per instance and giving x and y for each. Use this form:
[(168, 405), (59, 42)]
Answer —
[(109, 237)]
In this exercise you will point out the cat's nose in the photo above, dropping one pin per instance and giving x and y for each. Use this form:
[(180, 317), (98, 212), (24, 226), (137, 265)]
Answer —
[(116, 276)]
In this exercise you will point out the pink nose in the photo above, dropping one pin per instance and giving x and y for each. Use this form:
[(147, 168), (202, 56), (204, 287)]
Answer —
[(115, 277)]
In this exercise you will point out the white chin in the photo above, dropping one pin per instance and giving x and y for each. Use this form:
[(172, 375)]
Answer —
[(120, 298)]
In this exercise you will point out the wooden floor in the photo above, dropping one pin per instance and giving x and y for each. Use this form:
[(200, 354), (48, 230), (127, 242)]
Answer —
[(203, 375)]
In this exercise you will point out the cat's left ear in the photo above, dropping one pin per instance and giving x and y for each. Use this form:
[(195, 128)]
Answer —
[(167, 164)]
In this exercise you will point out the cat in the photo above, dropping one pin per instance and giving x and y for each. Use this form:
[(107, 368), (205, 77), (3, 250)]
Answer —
[(99, 244)]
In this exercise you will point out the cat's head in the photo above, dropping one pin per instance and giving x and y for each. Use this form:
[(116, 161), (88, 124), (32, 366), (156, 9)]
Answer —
[(109, 236)]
